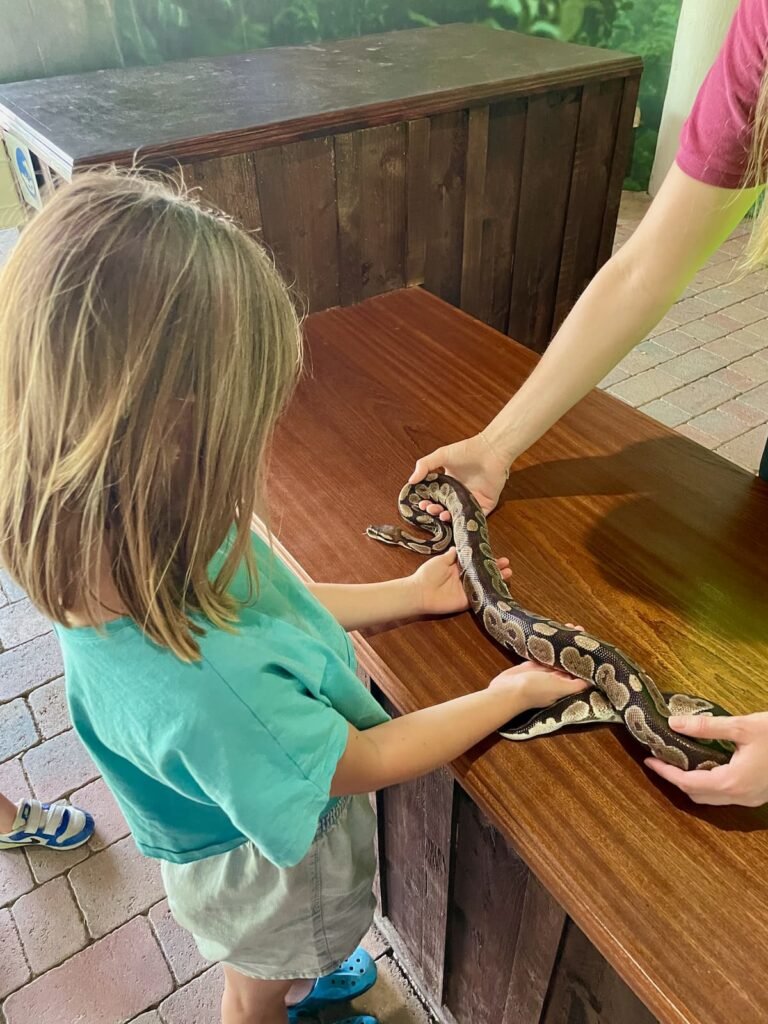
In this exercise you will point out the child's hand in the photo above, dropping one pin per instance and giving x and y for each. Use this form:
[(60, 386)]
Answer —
[(439, 585), (537, 686)]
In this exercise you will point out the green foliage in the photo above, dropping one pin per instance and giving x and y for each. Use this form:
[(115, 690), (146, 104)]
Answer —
[(153, 30), (650, 31)]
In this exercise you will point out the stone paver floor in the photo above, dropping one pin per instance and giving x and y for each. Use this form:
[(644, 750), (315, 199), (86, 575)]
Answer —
[(86, 937), (704, 368)]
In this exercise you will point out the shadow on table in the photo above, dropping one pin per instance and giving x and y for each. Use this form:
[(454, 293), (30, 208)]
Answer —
[(691, 537)]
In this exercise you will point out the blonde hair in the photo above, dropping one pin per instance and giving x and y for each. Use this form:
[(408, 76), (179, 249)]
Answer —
[(147, 348), (757, 250)]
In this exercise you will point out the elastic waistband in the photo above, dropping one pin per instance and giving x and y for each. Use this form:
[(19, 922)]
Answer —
[(331, 817)]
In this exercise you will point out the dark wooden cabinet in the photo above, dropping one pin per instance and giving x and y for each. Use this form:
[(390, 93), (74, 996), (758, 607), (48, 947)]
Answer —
[(486, 166), (482, 938)]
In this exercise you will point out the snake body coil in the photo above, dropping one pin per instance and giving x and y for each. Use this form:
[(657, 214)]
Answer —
[(620, 690)]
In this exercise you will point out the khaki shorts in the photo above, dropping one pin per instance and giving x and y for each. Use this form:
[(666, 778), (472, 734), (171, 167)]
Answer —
[(269, 922)]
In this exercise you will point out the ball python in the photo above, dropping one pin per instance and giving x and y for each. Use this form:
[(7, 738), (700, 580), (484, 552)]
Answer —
[(620, 691)]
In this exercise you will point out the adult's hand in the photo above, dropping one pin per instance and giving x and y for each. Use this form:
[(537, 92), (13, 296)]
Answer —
[(474, 463), (744, 780)]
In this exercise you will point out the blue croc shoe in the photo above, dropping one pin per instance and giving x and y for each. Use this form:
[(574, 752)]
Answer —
[(59, 826), (355, 976)]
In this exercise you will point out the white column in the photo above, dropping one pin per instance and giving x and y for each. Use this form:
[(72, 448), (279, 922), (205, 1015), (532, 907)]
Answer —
[(700, 33)]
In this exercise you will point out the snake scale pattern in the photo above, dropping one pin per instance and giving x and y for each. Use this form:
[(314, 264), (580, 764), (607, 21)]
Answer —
[(620, 691)]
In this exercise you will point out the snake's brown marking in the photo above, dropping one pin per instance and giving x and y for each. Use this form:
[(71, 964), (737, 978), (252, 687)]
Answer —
[(621, 691)]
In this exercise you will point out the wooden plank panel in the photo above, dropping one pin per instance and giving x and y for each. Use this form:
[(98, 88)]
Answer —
[(228, 183), (445, 205), (538, 941), (621, 152), (417, 189), (586, 988), (472, 269), (415, 829), (297, 197), (347, 155), (492, 203), (487, 899), (592, 165), (401, 820), (438, 836), (550, 138), (370, 191)]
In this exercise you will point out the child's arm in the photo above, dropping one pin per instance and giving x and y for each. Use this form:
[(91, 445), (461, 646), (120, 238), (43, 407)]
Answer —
[(415, 744), (434, 589)]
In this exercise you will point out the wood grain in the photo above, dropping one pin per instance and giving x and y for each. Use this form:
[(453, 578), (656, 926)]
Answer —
[(619, 167), (446, 171), (592, 164), (401, 820), (297, 198), (472, 269), (494, 178), (417, 186), (220, 106), (487, 898), (415, 836), (550, 138), (612, 520), (584, 988), (228, 183), (439, 830), (538, 941), (370, 194)]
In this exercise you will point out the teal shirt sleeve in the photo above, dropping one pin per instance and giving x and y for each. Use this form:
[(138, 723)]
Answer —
[(266, 754)]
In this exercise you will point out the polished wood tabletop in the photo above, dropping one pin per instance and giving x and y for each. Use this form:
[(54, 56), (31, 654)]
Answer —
[(613, 521)]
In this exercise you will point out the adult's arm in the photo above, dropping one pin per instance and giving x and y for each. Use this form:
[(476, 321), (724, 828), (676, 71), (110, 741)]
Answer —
[(686, 222)]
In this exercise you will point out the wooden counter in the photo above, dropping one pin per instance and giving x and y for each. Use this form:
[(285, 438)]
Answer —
[(485, 165), (557, 883)]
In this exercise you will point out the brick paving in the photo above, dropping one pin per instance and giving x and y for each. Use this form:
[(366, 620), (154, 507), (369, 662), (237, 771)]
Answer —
[(86, 936), (704, 369)]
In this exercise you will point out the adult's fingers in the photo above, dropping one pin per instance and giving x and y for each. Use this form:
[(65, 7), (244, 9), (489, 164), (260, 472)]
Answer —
[(705, 787), (711, 727), (427, 464)]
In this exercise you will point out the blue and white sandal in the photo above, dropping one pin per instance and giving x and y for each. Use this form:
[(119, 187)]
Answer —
[(350, 981), (59, 826)]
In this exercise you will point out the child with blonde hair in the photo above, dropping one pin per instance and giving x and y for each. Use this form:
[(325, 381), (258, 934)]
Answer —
[(147, 347)]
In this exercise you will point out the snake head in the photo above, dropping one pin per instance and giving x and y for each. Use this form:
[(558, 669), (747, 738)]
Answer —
[(386, 534)]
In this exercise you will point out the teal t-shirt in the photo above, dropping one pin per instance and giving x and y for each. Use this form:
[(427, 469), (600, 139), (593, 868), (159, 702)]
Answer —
[(242, 745)]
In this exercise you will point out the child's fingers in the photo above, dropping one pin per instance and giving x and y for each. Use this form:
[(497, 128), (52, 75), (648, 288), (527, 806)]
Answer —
[(577, 685), (711, 728), (431, 507), (435, 510)]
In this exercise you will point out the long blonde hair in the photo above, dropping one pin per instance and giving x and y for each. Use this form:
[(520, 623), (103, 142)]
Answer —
[(757, 250), (147, 347)]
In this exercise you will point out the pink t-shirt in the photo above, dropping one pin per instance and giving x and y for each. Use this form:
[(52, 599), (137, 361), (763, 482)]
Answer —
[(716, 138)]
